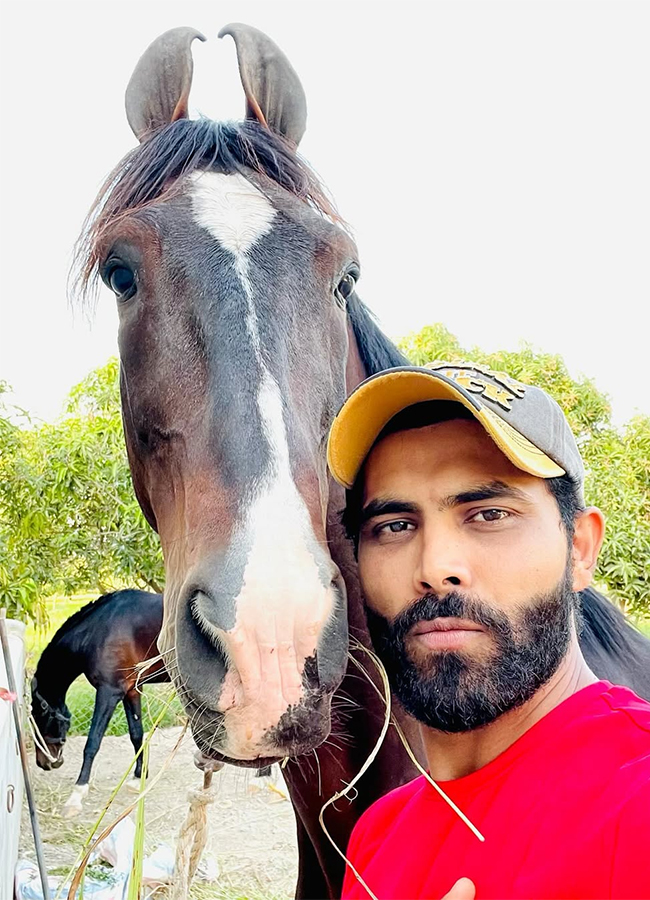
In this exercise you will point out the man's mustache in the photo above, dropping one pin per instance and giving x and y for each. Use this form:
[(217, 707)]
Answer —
[(454, 605)]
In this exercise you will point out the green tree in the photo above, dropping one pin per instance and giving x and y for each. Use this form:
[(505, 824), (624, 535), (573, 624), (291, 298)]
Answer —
[(617, 460), (618, 481), (20, 568), (98, 530), (69, 520)]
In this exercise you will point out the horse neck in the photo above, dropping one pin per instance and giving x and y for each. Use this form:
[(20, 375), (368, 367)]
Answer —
[(355, 371), (57, 668)]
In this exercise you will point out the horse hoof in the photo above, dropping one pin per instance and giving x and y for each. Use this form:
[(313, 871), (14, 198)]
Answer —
[(74, 802), (70, 810)]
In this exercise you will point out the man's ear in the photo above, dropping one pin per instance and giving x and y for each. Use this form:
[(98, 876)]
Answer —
[(587, 541)]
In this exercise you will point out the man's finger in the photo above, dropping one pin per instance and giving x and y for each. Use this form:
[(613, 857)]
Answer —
[(463, 890)]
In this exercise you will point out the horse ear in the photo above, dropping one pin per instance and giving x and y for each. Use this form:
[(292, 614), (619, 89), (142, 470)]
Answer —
[(159, 89), (274, 94)]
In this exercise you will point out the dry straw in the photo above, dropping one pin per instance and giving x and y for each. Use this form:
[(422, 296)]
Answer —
[(79, 866), (135, 880)]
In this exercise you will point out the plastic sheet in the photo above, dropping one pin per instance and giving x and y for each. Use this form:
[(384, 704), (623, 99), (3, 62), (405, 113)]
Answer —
[(112, 886), (110, 882)]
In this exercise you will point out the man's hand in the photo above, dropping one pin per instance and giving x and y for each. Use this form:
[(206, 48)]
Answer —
[(464, 889)]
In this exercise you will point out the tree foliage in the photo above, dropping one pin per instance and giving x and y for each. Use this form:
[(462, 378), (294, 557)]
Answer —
[(19, 586), (69, 520), (617, 460)]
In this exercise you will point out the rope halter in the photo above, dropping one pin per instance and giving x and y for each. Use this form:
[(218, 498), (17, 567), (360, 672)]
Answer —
[(53, 720)]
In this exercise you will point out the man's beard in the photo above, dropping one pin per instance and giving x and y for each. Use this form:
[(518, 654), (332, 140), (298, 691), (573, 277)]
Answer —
[(454, 692)]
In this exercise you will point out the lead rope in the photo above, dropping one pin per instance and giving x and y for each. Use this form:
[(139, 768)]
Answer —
[(39, 740), (192, 838)]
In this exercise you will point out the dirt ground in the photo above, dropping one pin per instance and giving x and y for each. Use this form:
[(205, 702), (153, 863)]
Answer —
[(252, 829)]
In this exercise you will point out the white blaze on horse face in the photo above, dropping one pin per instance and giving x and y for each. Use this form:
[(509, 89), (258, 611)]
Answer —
[(286, 597), (231, 209), (283, 605)]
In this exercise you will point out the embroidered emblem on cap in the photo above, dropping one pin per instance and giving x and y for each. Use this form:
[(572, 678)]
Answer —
[(498, 387)]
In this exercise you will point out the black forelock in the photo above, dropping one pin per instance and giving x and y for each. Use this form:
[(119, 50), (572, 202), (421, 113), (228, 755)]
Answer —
[(183, 147)]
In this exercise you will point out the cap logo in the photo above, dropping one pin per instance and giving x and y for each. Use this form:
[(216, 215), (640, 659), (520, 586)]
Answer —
[(498, 387)]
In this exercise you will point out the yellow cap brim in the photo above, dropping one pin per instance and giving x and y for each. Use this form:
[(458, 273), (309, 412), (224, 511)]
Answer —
[(372, 405)]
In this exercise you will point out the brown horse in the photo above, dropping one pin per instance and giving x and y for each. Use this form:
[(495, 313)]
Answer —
[(240, 335), (106, 641)]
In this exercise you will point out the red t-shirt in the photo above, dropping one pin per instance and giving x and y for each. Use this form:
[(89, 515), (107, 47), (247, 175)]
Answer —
[(565, 812)]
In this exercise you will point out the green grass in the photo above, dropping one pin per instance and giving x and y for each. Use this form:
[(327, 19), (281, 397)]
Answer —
[(81, 695), (81, 702)]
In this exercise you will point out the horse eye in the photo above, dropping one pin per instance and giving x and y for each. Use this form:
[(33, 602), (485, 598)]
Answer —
[(345, 287), (121, 281)]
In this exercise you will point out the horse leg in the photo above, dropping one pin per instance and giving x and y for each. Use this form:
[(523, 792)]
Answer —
[(132, 703), (106, 700)]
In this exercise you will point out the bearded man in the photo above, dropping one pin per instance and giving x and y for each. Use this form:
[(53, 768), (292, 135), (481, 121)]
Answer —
[(465, 503)]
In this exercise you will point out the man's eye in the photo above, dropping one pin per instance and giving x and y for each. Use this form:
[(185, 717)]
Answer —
[(394, 527), (490, 515)]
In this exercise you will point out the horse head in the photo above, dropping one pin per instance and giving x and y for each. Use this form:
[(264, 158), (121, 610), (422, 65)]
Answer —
[(232, 273), (52, 723)]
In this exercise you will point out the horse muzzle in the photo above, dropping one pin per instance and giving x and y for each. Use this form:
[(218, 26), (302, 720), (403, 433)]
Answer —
[(252, 741), (256, 660), (44, 762)]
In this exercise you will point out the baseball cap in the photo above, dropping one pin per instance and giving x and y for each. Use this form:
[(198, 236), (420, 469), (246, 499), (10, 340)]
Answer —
[(526, 423)]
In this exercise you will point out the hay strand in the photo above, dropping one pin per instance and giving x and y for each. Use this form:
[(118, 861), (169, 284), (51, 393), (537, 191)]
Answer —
[(138, 840), (408, 748), (151, 783)]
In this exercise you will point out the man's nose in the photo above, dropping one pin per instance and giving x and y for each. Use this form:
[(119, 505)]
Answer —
[(442, 564)]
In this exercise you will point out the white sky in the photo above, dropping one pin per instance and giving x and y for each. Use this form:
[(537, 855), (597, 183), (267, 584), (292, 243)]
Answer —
[(493, 159)]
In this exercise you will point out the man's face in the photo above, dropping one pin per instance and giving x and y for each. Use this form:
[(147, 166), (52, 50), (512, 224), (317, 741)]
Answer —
[(463, 562)]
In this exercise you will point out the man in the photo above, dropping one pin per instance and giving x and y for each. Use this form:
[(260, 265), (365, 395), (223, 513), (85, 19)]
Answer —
[(465, 502)]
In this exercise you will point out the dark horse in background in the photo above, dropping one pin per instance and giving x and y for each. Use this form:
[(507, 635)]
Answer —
[(240, 335), (105, 640)]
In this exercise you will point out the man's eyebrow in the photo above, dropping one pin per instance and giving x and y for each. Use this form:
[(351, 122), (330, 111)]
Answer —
[(385, 507), (491, 491)]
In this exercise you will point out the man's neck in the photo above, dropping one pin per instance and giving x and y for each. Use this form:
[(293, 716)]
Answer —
[(451, 756)]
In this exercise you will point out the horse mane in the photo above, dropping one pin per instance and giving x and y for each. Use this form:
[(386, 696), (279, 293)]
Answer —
[(178, 149), (79, 616), (604, 627), (377, 352), (613, 648)]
